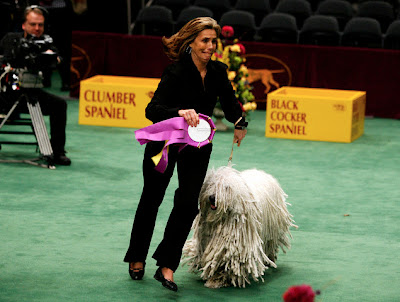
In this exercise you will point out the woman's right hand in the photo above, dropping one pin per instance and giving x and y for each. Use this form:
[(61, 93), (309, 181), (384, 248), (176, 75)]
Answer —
[(190, 115)]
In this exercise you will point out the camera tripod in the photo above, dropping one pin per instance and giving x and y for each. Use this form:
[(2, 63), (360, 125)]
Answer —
[(39, 130)]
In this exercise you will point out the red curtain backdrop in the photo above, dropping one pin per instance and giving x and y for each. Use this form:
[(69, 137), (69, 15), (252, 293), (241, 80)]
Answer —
[(375, 71)]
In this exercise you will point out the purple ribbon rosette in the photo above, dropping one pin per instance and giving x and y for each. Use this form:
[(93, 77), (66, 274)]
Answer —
[(176, 131)]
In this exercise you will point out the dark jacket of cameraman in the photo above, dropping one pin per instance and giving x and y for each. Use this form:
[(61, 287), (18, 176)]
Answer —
[(8, 47)]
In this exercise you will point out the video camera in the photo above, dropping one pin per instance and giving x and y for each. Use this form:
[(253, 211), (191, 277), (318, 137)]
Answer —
[(30, 57), (36, 54)]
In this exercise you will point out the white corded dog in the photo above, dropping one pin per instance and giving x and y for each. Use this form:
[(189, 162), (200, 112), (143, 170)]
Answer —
[(243, 221)]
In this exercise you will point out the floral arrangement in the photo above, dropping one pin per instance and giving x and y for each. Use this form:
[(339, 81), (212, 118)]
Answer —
[(231, 53), (300, 293)]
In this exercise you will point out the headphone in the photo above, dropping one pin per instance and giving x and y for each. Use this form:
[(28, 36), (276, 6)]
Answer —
[(32, 7)]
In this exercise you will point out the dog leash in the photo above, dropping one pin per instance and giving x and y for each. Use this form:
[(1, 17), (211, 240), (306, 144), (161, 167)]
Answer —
[(233, 143), (230, 157)]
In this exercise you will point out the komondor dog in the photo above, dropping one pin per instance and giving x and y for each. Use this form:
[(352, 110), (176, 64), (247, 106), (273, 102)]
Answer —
[(243, 221)]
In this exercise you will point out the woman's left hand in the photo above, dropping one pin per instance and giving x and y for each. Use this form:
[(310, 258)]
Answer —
[(238, 135)]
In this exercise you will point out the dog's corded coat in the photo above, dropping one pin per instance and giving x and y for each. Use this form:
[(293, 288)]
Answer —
[(243, 221)]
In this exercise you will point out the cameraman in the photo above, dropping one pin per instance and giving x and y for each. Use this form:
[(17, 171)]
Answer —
[(52, 105)]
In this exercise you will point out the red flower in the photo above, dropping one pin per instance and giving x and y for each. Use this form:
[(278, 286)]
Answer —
[(242, 49), (227, 31), (299, 293)]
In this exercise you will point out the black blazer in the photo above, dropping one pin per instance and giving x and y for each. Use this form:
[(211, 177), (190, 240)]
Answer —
[(181, 87)]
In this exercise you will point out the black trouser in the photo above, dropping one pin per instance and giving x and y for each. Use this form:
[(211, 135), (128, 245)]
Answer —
[(192, 166), (56, 108)]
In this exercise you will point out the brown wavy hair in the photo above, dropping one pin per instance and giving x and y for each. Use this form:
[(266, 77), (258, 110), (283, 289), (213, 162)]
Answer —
[(176, 45)]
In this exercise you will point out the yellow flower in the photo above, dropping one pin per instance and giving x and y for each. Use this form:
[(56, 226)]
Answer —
[(243, 69), (231, 75), (225, 56), (219, 45), (235, 48), (250, 106)]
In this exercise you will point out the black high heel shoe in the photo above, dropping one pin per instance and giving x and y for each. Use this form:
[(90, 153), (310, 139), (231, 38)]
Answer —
[(136, 273), (166, 283)]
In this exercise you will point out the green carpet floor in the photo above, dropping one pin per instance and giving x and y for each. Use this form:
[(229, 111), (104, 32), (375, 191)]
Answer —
[(64, 232)]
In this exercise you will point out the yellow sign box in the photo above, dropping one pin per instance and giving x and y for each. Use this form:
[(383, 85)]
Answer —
[(115, 101), (315, 114)]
